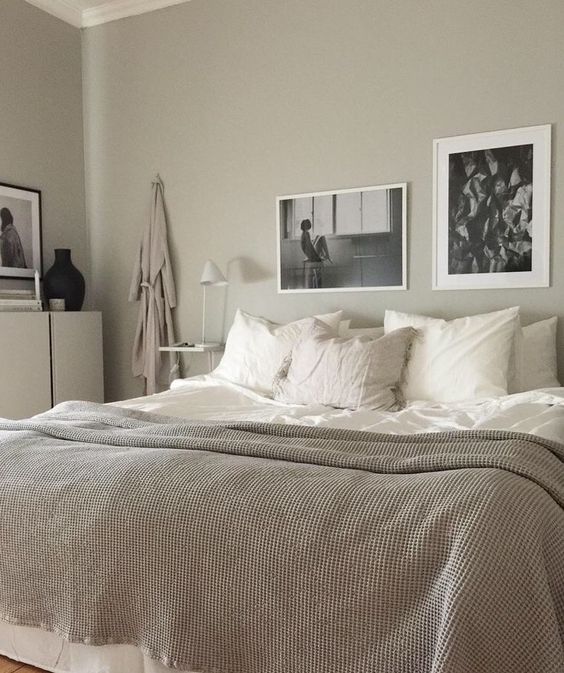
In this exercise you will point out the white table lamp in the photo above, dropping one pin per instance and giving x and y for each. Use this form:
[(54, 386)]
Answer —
[(211, 275)]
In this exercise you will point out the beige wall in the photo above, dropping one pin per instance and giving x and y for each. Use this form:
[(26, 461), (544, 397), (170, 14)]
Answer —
[(238, 101), (41, 138)]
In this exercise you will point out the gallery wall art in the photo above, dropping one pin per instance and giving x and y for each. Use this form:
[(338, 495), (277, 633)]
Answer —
[(343, 241), (20, 232), (491, 220)]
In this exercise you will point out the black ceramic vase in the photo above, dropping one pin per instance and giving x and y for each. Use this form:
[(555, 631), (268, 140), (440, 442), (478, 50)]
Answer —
[(64, 281)]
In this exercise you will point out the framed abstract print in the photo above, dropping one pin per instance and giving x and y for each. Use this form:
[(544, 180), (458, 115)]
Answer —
[(491, 210)]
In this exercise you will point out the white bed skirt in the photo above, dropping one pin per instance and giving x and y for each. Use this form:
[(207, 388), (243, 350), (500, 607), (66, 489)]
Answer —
[(51, 652)]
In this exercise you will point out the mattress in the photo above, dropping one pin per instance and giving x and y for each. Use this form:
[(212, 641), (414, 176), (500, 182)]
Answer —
[(208, 398)]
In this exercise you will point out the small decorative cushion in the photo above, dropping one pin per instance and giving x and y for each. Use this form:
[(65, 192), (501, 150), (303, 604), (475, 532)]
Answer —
[(256, 347), (346, 373), (460, 359)]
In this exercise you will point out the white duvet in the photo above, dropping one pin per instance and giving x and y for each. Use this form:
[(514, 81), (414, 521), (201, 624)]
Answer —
[(539, 412)]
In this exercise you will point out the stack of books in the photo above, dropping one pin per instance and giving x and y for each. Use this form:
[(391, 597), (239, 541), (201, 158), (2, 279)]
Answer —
[(19, 300), (22, 300)]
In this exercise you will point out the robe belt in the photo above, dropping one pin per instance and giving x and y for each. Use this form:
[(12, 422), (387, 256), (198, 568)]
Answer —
[(147, 286)]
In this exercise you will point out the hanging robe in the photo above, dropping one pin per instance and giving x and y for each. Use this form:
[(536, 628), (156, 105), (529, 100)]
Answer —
[(152, 284)]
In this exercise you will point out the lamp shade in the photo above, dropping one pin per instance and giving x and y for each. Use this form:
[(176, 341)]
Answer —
[(211, 275)]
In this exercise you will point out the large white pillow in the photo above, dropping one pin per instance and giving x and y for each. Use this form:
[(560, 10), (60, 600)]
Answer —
[(460, 359), (537, 360), (256, 347), (346, 373)]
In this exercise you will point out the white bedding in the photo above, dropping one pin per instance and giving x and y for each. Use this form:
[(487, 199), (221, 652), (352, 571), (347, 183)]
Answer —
[(208, 398), (205, 398)]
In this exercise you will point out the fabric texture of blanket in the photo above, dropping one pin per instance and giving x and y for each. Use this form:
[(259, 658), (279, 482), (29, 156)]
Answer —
[(258, 548)]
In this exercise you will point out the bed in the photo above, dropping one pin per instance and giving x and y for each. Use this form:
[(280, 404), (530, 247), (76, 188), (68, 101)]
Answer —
[(424, 539)]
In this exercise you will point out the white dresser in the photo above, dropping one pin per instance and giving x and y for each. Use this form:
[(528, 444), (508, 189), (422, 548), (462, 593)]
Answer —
[(47, 358)]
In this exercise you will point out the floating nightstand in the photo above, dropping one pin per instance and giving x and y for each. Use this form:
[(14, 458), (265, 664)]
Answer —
[(185, 347)]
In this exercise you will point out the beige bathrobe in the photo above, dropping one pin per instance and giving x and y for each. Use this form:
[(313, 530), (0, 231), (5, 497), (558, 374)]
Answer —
[(153, 285)]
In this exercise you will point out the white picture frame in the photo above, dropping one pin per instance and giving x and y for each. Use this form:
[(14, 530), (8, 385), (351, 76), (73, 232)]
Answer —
[(467, 206), (20, 232), (369, 221)]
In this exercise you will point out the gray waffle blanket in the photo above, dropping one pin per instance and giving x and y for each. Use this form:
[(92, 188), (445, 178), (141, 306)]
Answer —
[(256, 548)]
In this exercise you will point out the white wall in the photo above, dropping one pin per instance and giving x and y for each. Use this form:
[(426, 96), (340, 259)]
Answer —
[(41, 138), (238, 101)]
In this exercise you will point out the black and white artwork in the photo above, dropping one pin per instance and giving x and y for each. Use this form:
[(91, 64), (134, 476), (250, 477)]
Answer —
[(345, 240), (492, 215), (20, 231), (491, 210)]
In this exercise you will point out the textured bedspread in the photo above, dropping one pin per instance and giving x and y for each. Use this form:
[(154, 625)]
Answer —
[(256, 548)]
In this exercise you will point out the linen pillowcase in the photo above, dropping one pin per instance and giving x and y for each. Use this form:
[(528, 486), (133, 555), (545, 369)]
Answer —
[(460, 359), (256, 347), (346, 373), (537, 359)]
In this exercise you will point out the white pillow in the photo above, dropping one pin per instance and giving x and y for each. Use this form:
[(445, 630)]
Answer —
[(346, 373), (460, 359), (256, 347), (537, 360)]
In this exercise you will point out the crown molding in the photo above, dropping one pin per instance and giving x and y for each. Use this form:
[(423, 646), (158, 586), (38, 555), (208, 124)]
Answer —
[(68, 11), (120, 9), (62, 9)]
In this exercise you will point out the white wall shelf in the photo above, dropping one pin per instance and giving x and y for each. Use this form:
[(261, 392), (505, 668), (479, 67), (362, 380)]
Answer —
[(185, 347)]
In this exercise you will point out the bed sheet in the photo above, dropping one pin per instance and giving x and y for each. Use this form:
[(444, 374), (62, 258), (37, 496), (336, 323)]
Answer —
[(209, 398)]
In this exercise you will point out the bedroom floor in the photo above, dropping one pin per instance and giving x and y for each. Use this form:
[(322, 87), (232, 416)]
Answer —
[(9, 666)]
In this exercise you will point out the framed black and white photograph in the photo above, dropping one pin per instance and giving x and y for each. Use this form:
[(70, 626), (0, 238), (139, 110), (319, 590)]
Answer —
[(491, 219), (343, 241), (20, 231)]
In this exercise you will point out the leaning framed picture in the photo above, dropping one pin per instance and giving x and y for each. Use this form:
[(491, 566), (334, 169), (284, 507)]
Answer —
[(346, 240), (491, 210), (20, 232)]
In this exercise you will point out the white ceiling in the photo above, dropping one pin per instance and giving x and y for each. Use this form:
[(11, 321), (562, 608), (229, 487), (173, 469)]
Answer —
[(84, 13)]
